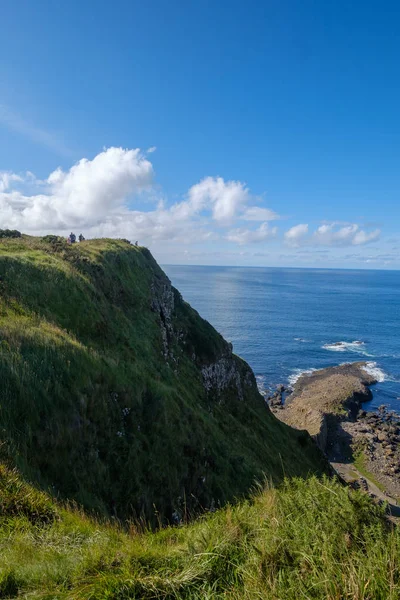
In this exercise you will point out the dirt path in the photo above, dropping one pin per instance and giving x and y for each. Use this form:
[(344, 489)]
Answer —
[(349, 472)]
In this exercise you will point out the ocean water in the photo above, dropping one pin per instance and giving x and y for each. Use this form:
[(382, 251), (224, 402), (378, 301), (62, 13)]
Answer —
[(287, 321)]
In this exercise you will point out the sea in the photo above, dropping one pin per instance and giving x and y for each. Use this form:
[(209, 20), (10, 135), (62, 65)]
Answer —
[(285, 322)]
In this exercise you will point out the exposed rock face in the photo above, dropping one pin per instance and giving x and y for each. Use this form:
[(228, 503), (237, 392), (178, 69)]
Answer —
[(275, 400), (226, 372), (223, 374), (377, 437), (162, 302)]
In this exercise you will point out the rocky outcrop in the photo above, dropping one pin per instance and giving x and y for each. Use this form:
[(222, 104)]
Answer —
[(322, 398), (224, 374), (162, 303), (376, 436), (275, 400)]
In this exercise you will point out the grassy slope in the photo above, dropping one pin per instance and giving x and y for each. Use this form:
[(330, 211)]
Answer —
[(90, 408), (267, 547)]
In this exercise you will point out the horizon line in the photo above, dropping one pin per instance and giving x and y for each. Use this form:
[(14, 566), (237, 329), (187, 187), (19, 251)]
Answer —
[(281, 267)]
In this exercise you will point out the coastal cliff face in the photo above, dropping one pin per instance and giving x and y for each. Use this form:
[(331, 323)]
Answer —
[(221, 370), (116, 393)]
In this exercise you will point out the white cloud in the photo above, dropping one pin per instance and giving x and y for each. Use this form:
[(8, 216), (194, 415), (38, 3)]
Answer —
[(91, 189), (257, 213), (151, 149), (349, 235), (247, 236), (362, 237), (226, 198), (6, 179), (296, 234), (330, 235), (85, 195)]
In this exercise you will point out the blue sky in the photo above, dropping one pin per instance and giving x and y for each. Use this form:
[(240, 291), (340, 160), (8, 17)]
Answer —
[(273, 126)]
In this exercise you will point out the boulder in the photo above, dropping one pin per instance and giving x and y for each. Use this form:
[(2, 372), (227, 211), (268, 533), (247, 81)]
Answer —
[(275, 399)]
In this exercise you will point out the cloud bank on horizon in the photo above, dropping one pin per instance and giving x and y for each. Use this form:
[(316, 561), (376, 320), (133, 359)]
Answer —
[(99, 196)]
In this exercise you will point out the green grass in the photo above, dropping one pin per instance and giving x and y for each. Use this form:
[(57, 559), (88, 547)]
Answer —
[(359, 463), (91, 409), (305, 539)]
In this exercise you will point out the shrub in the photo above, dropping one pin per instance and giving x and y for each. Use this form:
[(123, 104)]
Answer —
[(52, 239), (56, 242), (9, 233)]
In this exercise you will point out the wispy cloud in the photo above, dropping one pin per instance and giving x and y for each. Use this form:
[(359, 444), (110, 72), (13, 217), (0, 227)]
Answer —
[(257, 213), (248, 236), (296, 234), (330, 235), (15, 122)]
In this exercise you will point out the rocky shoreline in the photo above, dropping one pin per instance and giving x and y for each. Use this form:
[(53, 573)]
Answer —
[(375, 437), (324, 397), (364, 448)]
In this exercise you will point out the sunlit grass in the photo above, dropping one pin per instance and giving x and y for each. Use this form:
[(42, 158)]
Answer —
[(359, 463), (311, 539)]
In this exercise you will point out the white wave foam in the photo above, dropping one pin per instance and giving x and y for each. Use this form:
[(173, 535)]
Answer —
[(356, 346), (261, 384), (372, 369), (297, 373), (300, 339)]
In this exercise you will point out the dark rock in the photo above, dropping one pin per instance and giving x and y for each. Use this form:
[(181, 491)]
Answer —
[(275, 399)]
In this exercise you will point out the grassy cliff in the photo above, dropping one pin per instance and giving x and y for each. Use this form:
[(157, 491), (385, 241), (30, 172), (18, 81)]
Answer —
[(117, 394)]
